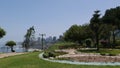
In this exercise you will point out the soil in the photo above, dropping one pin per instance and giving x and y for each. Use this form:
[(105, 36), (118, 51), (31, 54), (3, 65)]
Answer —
[(88, 57), (9, 54)]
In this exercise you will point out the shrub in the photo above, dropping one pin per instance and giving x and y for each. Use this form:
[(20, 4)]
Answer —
[(68, 45), (118, 42), (48, 54), (107, 54), (88, 43), (112, 54), (103, 54), (45, 55), (51, 54)]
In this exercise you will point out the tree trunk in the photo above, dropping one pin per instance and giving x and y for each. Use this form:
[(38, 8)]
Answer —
[(97, 41), (26, 47), (113, 45), (109, 42), (12, 49)]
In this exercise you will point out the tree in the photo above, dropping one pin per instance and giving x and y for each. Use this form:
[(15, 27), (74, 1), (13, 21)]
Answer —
[(77, 33), (87, 32), (95, 25), (11, 44), (29, 37), (54, 39), (112, 18), (60, 39), (2, 32), (72, 34)]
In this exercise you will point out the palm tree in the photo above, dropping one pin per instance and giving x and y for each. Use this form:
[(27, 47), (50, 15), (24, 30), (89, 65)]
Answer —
[(11, 44)]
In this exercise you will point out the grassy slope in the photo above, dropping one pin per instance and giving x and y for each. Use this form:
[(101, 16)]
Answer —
[(56, 46), (112, 51), (32, 60)]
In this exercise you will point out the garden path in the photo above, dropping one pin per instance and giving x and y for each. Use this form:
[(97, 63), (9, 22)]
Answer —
[(9, 54)]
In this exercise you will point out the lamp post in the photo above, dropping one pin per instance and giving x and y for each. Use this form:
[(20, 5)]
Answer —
[(42, 39)]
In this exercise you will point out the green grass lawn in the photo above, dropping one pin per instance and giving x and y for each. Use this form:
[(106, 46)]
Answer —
[(57, 45), (111, 51), (31, 60)]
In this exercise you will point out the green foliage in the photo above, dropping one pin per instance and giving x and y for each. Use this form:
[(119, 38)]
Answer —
[(88, 42), (48, 54), (29, 37), (95, 25), (60, 39), (51, 54), (108, 52), (78, 33), (72, 34), (11, 44), (95, 22), (64, 45), (118, 42), (2, 32), (105, 33), (112, 17), (99, 28)]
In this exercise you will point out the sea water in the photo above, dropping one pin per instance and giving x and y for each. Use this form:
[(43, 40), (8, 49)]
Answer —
[(6, 49)]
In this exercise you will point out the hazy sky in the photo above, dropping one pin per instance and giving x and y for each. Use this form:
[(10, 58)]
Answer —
[(52, 17)]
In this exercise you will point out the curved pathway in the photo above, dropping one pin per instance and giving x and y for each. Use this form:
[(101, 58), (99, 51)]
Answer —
[(87, 57), (72, 53), (9, 54)]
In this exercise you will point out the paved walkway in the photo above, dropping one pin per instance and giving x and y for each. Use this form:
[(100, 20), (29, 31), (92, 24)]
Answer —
[(9, 54), (88, 57), (79, 63)]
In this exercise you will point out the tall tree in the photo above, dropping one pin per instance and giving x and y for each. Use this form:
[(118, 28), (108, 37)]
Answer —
[(54, 39), (87, 32), (29, 37), (60, 39), (2, 32), (112, 17), (11, 44), (77, 33), (72, 34), (95, 25)]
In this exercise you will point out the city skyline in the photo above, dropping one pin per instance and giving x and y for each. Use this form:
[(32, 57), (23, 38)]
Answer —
[(52, 17)]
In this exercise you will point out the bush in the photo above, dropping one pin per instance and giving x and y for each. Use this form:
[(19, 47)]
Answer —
[(45, 55), (68, 45), (60, 53), (112, 54), (49, 54), (107, 54), (52, 54), (103, 54), (118, 42), (88, 43)]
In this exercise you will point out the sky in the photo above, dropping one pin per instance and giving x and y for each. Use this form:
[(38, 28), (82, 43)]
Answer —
[(51, 17)]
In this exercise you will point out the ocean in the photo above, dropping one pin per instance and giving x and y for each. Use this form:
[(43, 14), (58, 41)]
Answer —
[(6, 49)]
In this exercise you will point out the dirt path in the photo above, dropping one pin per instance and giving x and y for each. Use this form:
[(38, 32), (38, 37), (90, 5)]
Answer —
[(9, 54), (88, 57)]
